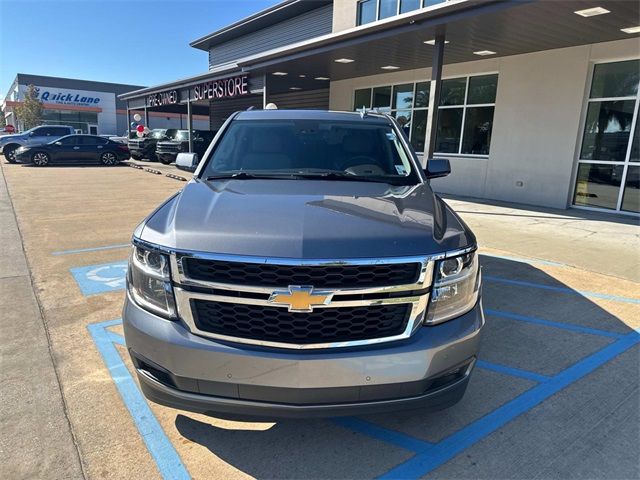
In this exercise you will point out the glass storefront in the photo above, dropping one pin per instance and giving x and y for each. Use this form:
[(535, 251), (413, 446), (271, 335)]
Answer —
[(372, 10), (78, 120), (608, 165), (465, 115)]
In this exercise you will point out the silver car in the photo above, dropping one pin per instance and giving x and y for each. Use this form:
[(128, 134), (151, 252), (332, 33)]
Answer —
[(307, 269)]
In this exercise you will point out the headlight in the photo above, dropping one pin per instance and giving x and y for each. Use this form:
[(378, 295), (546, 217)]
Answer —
[(455, 289), (149, 281)]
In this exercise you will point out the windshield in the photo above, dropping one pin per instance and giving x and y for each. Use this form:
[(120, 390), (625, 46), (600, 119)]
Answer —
[(313, 148), (158, 134), (182, 135)]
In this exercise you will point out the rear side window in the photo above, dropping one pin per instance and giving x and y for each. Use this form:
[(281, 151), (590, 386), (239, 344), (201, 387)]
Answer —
[(88, 140)]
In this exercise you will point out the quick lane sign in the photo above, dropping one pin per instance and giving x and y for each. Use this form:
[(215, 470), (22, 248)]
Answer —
[(224, 88), (169, 97)]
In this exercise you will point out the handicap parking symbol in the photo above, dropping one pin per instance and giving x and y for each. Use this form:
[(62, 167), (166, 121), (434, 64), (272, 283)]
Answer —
[(96, 279)]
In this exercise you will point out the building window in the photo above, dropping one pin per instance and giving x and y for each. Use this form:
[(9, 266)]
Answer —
[(408, 103), (372, 10), (367, 10), (465, 115), (608, 164)]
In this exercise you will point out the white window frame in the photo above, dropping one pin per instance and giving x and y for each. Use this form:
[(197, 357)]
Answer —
[(464, 106), (422, 5), (627, 161), (389, 109)]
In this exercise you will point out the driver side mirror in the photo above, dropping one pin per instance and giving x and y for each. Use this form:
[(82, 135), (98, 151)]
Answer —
[(437, 167), (31, 134), (58, 143), (187, 161)]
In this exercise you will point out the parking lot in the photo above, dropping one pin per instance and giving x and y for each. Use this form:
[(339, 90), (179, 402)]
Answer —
[(555, 392)]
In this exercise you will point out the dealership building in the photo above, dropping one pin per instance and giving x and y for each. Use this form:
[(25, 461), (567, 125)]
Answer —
[(88, 106), (531, 101)]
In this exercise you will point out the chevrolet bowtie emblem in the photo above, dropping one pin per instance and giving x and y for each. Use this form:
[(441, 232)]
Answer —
[(300, 298)]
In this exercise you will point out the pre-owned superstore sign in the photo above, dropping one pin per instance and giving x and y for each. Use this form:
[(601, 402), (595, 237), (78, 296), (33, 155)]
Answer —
[(225, 88), (163, 98)]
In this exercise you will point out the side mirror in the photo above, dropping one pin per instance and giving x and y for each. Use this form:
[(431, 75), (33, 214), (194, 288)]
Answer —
[(31, 134), (58, 143), (187, 161), (437, 167)]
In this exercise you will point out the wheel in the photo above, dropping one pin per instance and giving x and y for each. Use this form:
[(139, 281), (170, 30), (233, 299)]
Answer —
[(166, 160), (109, 159), (40, 159), (10, 153)]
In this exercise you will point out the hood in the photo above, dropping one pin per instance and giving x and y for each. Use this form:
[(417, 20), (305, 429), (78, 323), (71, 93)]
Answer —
[(306, 219), (7, 138)]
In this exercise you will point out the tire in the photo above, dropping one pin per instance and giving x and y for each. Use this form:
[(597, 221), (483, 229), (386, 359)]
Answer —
[(109, 159), (166, 160), (40, 159), (9, 153)]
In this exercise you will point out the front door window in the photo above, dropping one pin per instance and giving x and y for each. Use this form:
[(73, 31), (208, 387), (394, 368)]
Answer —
[(608, 163)]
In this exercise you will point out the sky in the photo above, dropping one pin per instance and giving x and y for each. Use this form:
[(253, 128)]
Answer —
[(136, 42)]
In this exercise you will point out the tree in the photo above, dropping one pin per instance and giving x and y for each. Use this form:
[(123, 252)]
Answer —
[(3, 121), (30, 111)]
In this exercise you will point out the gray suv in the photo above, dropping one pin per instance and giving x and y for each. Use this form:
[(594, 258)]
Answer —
[(36, 136), (307, 269)]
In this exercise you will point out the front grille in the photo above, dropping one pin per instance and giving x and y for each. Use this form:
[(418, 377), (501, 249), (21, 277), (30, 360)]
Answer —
[(323, 325), (168, 147), (319, 276)]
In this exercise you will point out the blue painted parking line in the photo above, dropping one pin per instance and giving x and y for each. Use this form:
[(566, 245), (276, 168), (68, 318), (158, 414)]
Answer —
[(549, 323), (166, 457), (514, 372), (582, 293), (429, 456), (95, 279), (386, 435), (434, 456), (92, 249)]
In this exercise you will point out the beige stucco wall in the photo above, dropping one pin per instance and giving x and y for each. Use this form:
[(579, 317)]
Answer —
[(537, 123), (344, 14)]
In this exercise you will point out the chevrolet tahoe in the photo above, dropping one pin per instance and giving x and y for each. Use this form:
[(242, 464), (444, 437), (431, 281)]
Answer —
[(307, 269)]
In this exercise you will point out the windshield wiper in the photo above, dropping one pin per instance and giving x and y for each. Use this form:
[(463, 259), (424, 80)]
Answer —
[(339, 176), (248, 176)]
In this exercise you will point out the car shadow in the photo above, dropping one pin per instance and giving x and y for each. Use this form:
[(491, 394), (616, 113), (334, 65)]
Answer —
[(325, 449)]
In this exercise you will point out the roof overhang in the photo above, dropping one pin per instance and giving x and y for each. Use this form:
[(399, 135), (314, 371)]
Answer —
[(502, 26), (264, 18)]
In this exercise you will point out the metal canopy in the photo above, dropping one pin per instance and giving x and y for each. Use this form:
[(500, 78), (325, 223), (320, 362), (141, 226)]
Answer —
[(507, 28)]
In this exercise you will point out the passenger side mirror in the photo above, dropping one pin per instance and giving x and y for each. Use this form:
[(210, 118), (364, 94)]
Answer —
[(31, 134), (187, 161), (58, 143), (437, 167)]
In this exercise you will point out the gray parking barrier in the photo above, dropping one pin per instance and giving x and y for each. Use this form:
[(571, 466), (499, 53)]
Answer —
[(176, 177)]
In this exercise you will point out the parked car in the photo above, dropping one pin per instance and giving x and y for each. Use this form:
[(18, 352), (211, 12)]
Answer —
[(36, 136), (146, 147), (167, 150), (307, 269), (74, 149)]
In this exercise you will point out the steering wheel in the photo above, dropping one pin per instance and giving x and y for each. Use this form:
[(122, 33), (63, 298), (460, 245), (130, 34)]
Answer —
[(367, 167)]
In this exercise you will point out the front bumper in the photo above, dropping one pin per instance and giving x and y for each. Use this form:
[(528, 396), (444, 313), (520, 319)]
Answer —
[(181, 370), (24, 157)]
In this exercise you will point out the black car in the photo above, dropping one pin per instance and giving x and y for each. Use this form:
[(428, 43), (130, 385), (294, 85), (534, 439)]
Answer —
[(146, 147), (167, 151), (74, 149)]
